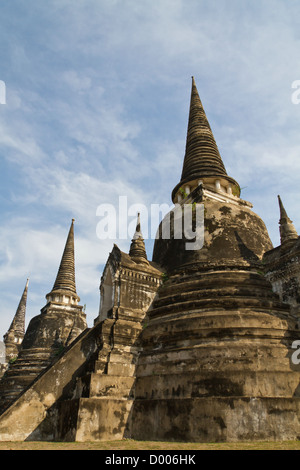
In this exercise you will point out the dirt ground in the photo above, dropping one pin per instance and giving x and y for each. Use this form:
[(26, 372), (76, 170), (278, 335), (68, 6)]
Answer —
[(129, 444)]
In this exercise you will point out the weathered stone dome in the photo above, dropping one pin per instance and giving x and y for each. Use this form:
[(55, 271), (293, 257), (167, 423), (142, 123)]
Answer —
[(233, 236)]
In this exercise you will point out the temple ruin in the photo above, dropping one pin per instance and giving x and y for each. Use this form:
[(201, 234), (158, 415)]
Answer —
[(193, 345)]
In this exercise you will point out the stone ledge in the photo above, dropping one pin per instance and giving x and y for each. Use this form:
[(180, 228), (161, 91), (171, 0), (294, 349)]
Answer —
[(216, 419)]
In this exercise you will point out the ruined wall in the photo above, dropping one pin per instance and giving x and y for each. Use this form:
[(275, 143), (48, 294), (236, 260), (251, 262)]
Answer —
[(126, 286), (282, 268)]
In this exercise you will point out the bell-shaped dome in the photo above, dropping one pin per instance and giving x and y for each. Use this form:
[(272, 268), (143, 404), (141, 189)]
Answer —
[(233, 235)]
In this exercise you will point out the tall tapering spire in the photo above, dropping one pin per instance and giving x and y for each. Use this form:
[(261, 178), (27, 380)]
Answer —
[(65, 279), (137, 248), (286, 227), (15, 334), (202, 158), (18, 323)]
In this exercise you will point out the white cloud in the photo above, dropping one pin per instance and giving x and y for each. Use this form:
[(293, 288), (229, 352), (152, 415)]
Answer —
[(76, 81)]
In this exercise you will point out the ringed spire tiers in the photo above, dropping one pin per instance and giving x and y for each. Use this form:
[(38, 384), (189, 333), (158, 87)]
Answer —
[(137, 248), (64, 287), (202, 160)]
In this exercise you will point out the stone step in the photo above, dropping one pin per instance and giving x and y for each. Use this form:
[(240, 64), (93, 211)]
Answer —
[(28, 363), (24, 369), (8, 397), (35, 352), (111, 386), (16, 381), (13, 391), (19, 373), (120, 369)]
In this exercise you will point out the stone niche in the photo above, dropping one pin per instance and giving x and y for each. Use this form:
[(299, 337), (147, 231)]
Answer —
[(127, 286)]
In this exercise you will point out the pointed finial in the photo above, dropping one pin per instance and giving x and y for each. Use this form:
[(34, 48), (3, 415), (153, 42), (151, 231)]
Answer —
[(287, 229), (137, 248), (283, 214), (138, 232)]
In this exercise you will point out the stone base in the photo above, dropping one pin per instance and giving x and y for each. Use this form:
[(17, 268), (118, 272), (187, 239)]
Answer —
[(216, 419), (94, 419)]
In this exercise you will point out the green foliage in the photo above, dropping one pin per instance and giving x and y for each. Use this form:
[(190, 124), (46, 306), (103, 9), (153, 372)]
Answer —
[(183, 193), (13, 359), (260, 272), (236, 191), (59, 350)]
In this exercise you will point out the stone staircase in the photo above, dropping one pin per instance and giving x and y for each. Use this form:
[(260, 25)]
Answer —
[(94, 395), (103, 397)]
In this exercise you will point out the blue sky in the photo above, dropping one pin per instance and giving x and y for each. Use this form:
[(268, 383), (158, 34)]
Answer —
[(97, 97)]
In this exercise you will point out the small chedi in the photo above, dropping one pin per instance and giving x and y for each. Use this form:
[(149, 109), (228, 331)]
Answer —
[(61, 320), (195, 345)]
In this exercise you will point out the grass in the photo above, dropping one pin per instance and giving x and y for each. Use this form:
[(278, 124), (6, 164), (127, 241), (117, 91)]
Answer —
[(128, 444)]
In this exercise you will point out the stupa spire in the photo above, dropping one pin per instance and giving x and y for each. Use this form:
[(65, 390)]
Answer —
[(137, 248), (202, 154), (18, 323), (65, 279), (15, 334), (202, 157), (286, 226)]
